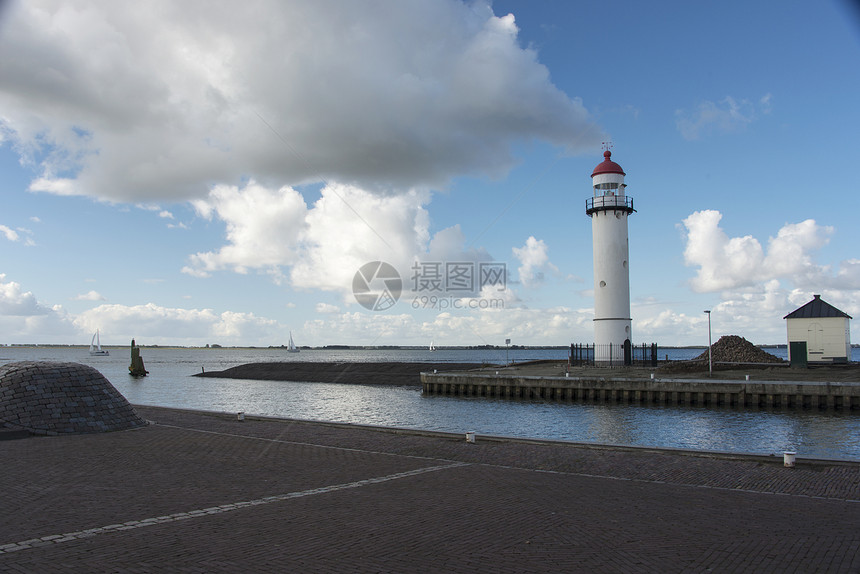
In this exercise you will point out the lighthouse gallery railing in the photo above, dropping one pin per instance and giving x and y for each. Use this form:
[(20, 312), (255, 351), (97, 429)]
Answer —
[(604, 202)]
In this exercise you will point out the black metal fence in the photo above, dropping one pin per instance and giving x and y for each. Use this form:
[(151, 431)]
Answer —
[(613, 355)]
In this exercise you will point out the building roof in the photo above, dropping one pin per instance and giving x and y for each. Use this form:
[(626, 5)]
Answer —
[(607, 165), (818, 307)]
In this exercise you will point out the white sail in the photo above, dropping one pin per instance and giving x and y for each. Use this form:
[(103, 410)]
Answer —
[(96, 345), (432, 346), (291, 348)]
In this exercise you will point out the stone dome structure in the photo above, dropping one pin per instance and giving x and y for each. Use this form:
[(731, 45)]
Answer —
[(62, 398)]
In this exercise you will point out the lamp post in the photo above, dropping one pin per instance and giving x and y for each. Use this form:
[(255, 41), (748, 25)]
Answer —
[(710, 355), (507, 344)]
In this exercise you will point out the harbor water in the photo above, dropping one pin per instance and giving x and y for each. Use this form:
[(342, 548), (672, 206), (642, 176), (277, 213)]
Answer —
[(812, 434)]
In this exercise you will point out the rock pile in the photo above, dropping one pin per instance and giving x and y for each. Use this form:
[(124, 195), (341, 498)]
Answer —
[(736, 349), (61, 398)]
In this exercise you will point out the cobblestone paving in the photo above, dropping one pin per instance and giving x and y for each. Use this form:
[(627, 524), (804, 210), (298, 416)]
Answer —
[(204, 493)]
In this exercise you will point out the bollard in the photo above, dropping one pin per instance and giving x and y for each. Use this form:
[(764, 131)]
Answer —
[(470, 437), (788, 459), (240, 416), (748, 377), (652, 376)]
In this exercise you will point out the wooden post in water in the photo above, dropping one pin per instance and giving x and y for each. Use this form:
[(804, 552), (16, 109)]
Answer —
[(136, 368)]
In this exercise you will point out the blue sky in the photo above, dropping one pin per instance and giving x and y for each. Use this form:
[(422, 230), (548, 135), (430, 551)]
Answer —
[(219, 176)]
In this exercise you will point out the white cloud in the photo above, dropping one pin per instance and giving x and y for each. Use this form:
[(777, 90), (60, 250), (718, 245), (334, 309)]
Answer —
[(18, 234), (726, 116), (24, 320), (326, 308), (263, 228), (665, 324), (534, 261), (729, 263), (322, 246), (348, 227), (57, 186), (486, 327), (165, 214), (154, 324), (53, 327), (90, 296), (755, 313), (236, 327), (159, 100), (10, 233), (847, 276), (757, 287), (15, 302), (491, 298), (765, 103)]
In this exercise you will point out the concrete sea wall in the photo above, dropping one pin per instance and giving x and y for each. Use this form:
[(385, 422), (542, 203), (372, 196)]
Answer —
[(696, 392)]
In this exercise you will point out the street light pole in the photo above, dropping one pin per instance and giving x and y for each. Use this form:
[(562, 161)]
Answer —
[(710, 355)]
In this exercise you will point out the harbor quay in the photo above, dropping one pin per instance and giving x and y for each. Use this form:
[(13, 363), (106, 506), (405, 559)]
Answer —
[(195, 491), (843, 396)]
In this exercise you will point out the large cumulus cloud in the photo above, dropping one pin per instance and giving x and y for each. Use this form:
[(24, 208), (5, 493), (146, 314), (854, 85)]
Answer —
[(161, 100)]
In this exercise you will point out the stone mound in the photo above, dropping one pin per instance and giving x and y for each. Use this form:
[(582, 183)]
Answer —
[(62, 398), (736, 349)]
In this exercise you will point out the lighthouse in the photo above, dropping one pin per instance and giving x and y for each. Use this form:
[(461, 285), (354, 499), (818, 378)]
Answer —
[(609, 208)]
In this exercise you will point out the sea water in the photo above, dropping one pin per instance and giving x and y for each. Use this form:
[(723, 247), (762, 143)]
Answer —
[(171, 384)]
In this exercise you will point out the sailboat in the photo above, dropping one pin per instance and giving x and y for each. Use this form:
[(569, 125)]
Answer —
[(291, 348), (96, 345), (432, 346)]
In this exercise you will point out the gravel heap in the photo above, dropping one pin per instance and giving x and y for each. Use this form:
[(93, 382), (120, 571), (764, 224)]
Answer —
[(736, 349), (61, 398)]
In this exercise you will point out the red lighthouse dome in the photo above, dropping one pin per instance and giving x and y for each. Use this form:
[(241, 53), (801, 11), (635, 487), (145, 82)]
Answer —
[(607, 165)]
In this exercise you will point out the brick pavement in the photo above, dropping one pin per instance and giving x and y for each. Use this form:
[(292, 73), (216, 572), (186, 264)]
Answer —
[(204, 493)]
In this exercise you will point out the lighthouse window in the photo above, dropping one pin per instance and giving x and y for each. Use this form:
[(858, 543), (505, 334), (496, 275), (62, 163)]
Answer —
[(606, 188), (603, 283), (624, 264)]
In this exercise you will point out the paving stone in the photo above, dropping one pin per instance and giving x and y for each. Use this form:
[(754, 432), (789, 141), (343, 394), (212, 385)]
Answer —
[(197, 492)]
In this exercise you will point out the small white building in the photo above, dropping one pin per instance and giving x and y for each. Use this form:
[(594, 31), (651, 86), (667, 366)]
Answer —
[(818, 332)]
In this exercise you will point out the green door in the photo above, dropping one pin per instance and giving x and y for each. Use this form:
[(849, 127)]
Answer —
[(797, 352)]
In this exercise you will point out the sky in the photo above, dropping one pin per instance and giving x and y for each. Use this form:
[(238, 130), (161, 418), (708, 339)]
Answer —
[(381, 172)]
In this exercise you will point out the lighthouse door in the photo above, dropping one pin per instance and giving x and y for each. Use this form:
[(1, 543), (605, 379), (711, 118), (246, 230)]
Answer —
[(628, 352)]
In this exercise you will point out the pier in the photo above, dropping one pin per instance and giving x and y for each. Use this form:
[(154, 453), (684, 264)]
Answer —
[(843, 396)]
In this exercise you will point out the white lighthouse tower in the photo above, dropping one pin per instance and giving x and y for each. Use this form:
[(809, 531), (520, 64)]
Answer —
[(609, 209)]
